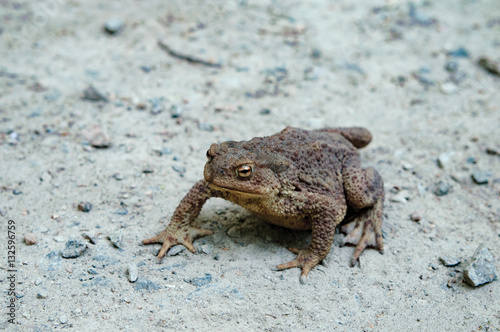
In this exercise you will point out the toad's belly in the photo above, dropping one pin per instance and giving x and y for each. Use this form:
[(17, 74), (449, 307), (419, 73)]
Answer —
[(292, 222)]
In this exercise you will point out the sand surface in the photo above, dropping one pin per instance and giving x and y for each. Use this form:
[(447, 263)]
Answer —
[(407, 72)]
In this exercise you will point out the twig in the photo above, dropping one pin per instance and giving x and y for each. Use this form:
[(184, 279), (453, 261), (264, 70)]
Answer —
[(188, 58)]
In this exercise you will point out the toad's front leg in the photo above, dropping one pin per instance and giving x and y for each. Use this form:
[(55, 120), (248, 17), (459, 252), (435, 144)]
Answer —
[(323, 230), (180, 231)]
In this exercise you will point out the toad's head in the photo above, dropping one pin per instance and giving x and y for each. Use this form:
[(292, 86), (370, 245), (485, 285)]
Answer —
[(243, 168)]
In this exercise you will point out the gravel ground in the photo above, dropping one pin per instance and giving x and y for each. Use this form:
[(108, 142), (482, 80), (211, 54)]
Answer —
[(102, 132)]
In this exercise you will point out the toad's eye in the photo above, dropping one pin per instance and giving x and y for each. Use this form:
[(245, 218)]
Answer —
[(244, 171), (209, 157)]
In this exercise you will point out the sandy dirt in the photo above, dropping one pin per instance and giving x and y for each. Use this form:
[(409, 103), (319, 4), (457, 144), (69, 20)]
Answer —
[(406, 71)]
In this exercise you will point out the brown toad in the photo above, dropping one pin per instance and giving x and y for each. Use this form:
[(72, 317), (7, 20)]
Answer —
[(297, 179)]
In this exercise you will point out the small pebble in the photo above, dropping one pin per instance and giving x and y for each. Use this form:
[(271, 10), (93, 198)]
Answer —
[(89, 237), (448, 88), (415, 216), (459, 53), (200, 281), (59, 238), (148, 169), (17, 192), (493, 152), (146, 284), (492, 67), (175, 111), (480, 177), (133, 272), (444, 160), (116, 239), (449, 261), (30, 239), (38, 281), (471, 160), (92, 271), (13, 138), (316, 54), (265, 111), (400, 197), (118, 176), (175, 250), (441, 188), (406, 166), (179, 169), (480, 269), (85, 206), (96, 136), (74, 249), (43, 294), (113, 26), (91, 94), (63, 319), (206, 249)]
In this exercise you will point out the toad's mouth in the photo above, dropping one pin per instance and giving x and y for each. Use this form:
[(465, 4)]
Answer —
[(235, 191)]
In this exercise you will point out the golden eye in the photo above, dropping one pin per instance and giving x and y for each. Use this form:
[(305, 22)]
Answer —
[(244, 171), (209, 157)]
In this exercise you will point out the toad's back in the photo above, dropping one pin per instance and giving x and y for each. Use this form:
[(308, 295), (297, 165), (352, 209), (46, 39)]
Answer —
[(290, 140)]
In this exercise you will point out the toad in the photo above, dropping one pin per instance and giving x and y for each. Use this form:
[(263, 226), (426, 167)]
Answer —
[(299, 179)]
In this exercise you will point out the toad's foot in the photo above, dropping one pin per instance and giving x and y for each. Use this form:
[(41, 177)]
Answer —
[(306, 259), (173, 235), (365, 230)]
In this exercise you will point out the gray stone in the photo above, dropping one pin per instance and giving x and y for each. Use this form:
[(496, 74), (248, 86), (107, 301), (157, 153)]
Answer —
[(175, 250), (443, 160), (206, 249), (74, 248), (441, 188), (91, 94), (480, 177), (179, 169), (96, 136), (175, 111), (448, 88), (480, 269), (200, 281), (85, 206), (146, 284), (116, 239), (43, 294), (113, 26), (449, 261), (133, 272)]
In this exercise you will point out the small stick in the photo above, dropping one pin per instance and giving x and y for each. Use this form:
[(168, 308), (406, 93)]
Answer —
[(188, 58)]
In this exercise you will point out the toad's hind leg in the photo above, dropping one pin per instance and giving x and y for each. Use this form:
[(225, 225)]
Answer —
[(365, 194)]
